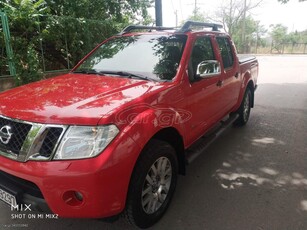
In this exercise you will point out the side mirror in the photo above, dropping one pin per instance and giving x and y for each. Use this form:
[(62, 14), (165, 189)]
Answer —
[(208, 68)]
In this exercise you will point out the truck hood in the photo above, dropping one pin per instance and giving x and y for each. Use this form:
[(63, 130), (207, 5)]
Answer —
[(77, 99)]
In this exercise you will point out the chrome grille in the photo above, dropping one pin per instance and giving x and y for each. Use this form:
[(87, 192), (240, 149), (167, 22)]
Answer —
[(22, 141), (19, 133), (50, 141)]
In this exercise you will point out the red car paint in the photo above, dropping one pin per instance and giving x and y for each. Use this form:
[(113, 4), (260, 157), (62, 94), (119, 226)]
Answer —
[(139, 109)]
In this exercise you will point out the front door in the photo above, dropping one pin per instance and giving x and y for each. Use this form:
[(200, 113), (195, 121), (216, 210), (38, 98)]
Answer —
[(203, 92)]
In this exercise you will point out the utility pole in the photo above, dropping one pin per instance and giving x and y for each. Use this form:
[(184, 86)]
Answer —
[(243, 28), (176, 14), (158, 8), (7, 40), (195, 8), (257, 36)]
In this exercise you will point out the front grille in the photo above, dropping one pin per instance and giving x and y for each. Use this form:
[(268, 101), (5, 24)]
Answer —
[(19, 132), (50, 141), (22, 141)]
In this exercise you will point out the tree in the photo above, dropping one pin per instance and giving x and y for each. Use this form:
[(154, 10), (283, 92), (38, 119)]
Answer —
[(254, 32), (279, 33), (198, 16), (231, 12), (23, 29), (279, 36), (56, 34)]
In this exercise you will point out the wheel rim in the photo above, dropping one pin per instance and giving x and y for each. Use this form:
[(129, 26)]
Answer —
[(156, 185), (246, 107)]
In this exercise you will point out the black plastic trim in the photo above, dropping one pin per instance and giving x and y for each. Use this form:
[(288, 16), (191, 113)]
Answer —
[(25, 192)]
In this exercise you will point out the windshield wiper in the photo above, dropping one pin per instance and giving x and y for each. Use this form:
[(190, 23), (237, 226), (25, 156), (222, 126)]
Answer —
[(128, 74), (91, 71), (120, 73)]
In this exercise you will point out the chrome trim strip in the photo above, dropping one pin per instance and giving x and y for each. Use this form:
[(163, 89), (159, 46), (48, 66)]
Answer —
[(9, 154), (39, 140), (26, 149)]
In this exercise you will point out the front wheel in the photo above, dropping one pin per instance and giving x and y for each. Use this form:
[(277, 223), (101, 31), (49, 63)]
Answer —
[(152, 184), (245, 108)]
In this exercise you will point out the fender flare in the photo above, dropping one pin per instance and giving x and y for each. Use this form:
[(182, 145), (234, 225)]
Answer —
[(247, 82)]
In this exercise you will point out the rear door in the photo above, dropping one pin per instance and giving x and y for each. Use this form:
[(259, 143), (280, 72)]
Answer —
[(231, 83)]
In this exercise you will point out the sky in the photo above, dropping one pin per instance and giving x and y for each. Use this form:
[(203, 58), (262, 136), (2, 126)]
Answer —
[(293, 14)]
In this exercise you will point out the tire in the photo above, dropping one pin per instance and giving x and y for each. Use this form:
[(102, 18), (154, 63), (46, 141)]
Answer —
[(152, 184), (245, 108)]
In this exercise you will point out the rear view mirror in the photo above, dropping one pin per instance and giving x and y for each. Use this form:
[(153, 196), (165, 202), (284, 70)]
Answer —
[(208, 68)]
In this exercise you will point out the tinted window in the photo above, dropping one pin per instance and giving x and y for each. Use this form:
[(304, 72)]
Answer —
[(226, 51), (153, 56), (202, 51)]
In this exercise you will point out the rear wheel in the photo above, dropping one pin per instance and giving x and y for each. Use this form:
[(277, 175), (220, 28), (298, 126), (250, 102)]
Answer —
[(152, 184), (245, 108)]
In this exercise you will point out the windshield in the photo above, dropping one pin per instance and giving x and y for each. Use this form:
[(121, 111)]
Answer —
[(154, 57)]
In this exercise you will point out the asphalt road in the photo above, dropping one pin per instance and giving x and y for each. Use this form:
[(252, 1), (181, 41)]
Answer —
[(251, 178)]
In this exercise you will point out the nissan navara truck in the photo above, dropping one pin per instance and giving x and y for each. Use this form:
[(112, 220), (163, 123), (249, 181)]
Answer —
[(111, 136)]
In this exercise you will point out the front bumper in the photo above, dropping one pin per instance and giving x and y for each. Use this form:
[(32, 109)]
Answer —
[(24, 191), (102, 181)]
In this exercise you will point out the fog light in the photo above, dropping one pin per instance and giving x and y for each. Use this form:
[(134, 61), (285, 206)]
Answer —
[(73, 198)]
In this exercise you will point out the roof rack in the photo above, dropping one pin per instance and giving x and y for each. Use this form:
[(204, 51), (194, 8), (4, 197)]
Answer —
[(149, 28), (188, 24)]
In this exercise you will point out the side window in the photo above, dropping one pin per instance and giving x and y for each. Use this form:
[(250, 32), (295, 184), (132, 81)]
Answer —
[(202, 51), (226, 51)]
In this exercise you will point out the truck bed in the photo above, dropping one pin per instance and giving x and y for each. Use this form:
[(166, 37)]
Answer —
[(245, 58)]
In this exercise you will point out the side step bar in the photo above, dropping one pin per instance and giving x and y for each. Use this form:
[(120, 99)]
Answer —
[(204, 142)]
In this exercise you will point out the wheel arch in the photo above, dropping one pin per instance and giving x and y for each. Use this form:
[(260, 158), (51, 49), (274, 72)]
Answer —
[(250, 86), (247, 83), (173, 137)]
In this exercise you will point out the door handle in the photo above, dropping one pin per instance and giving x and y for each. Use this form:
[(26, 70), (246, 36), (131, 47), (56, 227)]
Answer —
[(219, 83), (237, 75)]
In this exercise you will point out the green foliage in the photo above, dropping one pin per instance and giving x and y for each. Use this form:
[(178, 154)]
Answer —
[(3, 59), (281, 38), (198, 16), (21, 14), (248, 34), (254, 33), (56, 34), (27, 64), (279, 33), (297, 37)]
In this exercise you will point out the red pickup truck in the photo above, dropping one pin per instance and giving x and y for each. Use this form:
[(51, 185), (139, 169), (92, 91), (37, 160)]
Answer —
[(111, 136)]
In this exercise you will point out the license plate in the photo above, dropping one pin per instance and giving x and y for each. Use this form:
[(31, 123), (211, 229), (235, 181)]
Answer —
[(8, 198)]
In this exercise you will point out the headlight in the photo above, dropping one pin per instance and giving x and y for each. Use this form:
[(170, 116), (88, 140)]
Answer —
[(85, 142)]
